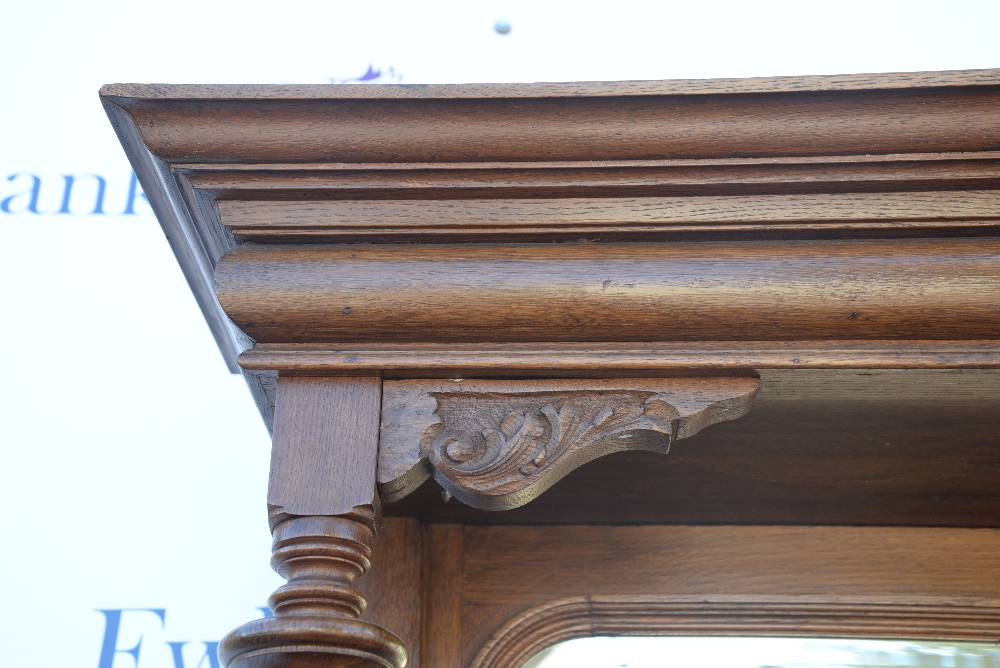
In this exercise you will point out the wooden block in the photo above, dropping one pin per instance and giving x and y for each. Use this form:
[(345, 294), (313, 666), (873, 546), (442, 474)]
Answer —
[(325, 444)]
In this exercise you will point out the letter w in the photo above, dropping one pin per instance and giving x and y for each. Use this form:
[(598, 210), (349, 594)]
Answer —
[(211, 653)]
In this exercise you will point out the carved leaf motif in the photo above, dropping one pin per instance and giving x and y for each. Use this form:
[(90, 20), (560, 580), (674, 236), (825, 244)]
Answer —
[(510, 424), (498, 444), (457, 449), (603, 415), (510, 443)]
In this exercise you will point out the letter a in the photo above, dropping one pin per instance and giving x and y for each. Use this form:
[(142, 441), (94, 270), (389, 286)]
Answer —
[(36, 189)]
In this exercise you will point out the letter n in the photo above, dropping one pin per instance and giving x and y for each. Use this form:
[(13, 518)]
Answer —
[(68, 191)]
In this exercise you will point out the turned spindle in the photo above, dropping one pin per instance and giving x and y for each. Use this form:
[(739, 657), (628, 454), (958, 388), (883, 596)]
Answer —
[(316, 613), (323, 513)]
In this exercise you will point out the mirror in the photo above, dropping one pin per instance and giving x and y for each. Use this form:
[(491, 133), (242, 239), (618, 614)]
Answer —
[(716, 652)]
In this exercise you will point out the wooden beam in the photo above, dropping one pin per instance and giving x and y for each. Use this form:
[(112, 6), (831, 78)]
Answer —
[(944, 289)]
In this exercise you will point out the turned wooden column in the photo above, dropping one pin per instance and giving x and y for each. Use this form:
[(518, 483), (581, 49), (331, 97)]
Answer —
[(324, 517)]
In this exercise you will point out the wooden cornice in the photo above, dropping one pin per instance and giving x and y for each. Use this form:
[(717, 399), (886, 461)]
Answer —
[(445, 230), (574, 127), (790, 84), (494, 285)]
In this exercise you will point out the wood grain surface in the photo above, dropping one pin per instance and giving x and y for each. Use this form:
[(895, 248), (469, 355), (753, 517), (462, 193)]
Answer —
[(596, 360), (325, 444), (250, 125), (819, 447), (481, 215), (822, 197), (424, 180), (316, 613), (443, 582), (393, 592), (904, 289), (793, 226), (888, 156), (703, 561), (544, 625), (492, 596), (894, 80), (520, 589)]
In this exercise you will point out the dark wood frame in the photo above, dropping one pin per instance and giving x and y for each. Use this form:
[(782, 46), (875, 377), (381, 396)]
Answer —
[(492, 596), (787, 230), (567, 619)]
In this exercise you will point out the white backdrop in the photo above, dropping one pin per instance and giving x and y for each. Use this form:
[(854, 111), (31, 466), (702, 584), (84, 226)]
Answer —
[(134, 465)]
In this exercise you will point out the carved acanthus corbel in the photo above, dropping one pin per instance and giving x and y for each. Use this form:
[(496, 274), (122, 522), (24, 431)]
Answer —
[(498, 444)]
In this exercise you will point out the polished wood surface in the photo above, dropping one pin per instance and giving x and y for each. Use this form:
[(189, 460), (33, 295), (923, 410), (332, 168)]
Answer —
[(895, 80), (324, 514), (602, 217), (737, 198), (829, 581), (736, 162), (645, 196), (578, 617), (596, 360), (837, 237), (443, 584), (568, 122), (394, 593), (237, 183), (315, 621), (758, 561), (604, 360), (914, 289), (325, 444), (492, 596)]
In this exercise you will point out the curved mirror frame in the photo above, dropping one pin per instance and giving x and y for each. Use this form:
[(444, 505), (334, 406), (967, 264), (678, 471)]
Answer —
[(545, 626), (761, 652)]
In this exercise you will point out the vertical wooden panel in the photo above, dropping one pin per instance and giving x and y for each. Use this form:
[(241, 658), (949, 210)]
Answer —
[(392, 589), (325, 444), (441, 640)]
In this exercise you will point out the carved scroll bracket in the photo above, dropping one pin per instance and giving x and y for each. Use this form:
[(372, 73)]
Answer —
[(497, 445)]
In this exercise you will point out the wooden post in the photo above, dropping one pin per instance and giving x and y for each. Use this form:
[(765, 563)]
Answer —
[(324, 517)]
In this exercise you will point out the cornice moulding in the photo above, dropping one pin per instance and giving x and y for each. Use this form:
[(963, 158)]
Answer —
[(873, 157)]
